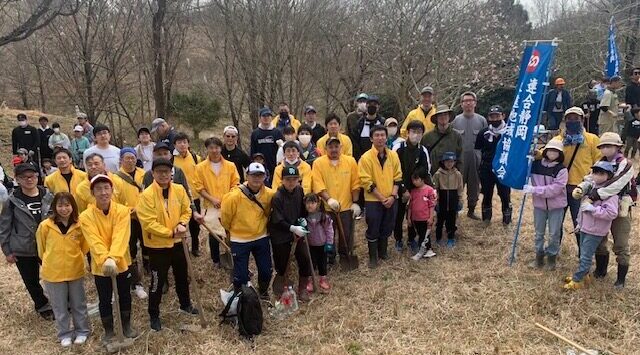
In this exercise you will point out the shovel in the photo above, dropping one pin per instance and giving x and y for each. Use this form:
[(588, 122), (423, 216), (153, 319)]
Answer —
[(313, 271), (226, 260), (280, 282), (196, 294), (120, 342), (351, 262)]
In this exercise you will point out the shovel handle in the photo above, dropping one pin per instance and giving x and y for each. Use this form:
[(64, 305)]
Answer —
[(568, 341), (196, 291), (116, 304), (343, 237)]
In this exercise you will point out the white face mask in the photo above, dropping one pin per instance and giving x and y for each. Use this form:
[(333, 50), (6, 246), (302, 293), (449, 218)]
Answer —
[(304, 139), (392, 130), (414, 137), (56, 130), (552, 155), (23, 124), (291, 162), (608, 151)]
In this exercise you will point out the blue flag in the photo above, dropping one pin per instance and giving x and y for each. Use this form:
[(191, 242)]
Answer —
[(512, 159), (612, 66)]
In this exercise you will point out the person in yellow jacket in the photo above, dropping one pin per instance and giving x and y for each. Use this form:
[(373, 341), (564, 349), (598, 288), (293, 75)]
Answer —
[(381, 178), (164, 212), (94, 164), (285, 118), (214, 178), (337, 181), (332, 122), (106, 227), (185, 159), (66, 178), (62, 247), (422, 113), (246, 209), (292, 158), (130, 177)]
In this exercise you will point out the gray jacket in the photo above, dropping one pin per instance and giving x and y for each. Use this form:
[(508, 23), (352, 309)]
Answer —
[(18, 227)]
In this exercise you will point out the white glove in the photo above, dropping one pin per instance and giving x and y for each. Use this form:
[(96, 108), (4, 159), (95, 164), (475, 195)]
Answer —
[(280, 142), (334, 204), (355, 208), (109, 267), (577, 193), (528, 189), (587, 207), (299, 231)]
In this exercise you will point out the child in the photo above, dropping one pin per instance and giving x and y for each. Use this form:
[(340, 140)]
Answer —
[(420, 213), (632, 132), (62, 248), (289, 136), (47, 167), (448, 183), (308, 151), (320, 238), (259, 158), (594, 223), (549, 190)]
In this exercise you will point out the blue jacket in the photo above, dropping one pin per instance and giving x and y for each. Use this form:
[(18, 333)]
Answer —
[(551, 100)]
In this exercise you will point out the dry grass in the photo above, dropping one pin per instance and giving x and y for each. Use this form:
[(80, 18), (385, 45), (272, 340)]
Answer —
[(466, 301)]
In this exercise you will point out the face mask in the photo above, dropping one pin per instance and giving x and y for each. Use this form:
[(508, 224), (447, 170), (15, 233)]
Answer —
[(392, 130), (372, 110), (291, 162), (608, 151), (22, 124), (56, 130), (496, 124), (362, 106), (552, 155), (284, 115), (304, 139), (414, 137), (573, 127)]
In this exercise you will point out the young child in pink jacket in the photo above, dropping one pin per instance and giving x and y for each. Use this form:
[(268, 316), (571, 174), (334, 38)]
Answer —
[(320, 239)]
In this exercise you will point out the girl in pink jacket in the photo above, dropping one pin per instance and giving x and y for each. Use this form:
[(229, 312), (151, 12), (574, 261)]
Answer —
[(320, 239)]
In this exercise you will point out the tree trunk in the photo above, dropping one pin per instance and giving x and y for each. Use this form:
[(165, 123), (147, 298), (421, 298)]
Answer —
[(158, 62)]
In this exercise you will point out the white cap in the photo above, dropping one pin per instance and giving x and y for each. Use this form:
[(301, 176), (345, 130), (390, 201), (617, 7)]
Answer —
[(78, 129), (100, 178), (230, 129), (256, 168)]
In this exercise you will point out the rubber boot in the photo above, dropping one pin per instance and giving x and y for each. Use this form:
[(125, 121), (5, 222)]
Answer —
[(486, 215), (602, 263), (622, 275), (551, 262), (506, 216), (303, 294), (263, 290), (373, 254), (278, 286), (107, 324), (128, 331), (382, 248), (472, 213), (538, 263)]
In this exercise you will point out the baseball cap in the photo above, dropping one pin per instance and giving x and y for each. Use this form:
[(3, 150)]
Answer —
[(99, 128), (426, 90), (576, 110), (496, 109), (362, 96), (23, 151), (232, 129), (332, 140), (160, 145), (22, 117), (143, 129), (389, 121), (100, 178), (373, 98), (23, 168), (156, 123), (449, 156), (290, 171), (78, 129), (256, 168), (265, 111), (161, 162), (604, 165), (310, 109)]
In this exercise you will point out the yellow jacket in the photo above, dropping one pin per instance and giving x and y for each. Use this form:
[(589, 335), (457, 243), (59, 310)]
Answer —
[(243, 218), (62, 254), (418, 115), (294, 122), (56, 182), (588, 154), (129, 192), (371, 173), (339, 181), (188, 166), (346, 148), (107, 236), (84, 198), (305, 175), (160, 221), (215, 185)]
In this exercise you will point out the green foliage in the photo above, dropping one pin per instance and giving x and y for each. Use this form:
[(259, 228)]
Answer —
[(196, 109)]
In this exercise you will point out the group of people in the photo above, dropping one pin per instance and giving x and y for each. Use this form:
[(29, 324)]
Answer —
[(131, 209)]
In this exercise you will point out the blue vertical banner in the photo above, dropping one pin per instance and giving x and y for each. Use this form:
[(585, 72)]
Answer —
[(511, 162), (612, 66)]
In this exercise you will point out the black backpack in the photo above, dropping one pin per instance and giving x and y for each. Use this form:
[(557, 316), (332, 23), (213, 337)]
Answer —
[(249, 314)]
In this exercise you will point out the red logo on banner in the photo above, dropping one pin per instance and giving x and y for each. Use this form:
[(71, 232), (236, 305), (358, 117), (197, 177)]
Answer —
[(533, 61)]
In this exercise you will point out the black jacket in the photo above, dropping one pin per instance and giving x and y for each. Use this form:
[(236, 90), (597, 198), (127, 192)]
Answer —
[(286, 208), (362, 144), (487, 149), (45, 151), (632, 94), (27, 138), (317, 132), (239, 158), (410, 161)]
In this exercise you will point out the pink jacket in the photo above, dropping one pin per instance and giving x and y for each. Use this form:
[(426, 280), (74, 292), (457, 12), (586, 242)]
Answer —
[(598, 222), (550, 185), (320, 232)]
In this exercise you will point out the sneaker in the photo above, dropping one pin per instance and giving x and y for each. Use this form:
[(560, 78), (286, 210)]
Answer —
[(451, 243), (66, 342), (324, 283), (310, 286), (413, 245), (429, 254), (155, 324), (80, 340), (399, 245), (140, 292), (190, 310)]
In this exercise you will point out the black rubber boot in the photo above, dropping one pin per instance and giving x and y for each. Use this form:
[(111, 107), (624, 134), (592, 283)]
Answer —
[(263, 290), (128, 331), (472, 213), (622, 275), (538, 263), (551, 262), (602, 263), (486, 215), (373, 254), (107, 324), (382, 248), (506, 216)]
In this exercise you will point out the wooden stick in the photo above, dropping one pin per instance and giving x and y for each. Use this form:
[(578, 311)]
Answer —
[(570, 342)]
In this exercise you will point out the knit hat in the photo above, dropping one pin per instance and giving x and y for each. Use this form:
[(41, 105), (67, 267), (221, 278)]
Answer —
[(610, 138), (577, 110), (126, 150)]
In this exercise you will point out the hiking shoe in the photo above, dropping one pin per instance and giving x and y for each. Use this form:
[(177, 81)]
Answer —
[(472, 215), (399, 245), (429, 254), (80, 340), (155, 324), (413, 245), (451, 243), (140, 292), (574, 285), (324, 283), (48, 315), (66, 342), (190, 310)]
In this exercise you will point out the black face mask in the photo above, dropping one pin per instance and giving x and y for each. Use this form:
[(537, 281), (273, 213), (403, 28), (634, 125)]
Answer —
[(496, 124), (372, 110), (284, 115)]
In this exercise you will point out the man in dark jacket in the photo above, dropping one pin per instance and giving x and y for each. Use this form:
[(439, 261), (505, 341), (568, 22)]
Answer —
[(166, 133), (45, 132), (632, 93), (360, 133), (22, 212), (287, 206), (558, 101), (413, 156), (443, 138), (486, 143), (25, 136), (266, 139), (231, 152), (317, 131)]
